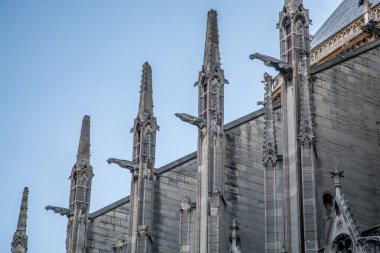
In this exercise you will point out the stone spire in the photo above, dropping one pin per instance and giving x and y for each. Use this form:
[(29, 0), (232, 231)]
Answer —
[(211, 54), (210, 155), (84, 141), (146, 92), (142, 167), (20, 239), (80, 192), (142, 185), (81, 180)]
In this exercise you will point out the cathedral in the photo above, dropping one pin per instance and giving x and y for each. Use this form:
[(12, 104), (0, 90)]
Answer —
[(300, 175)]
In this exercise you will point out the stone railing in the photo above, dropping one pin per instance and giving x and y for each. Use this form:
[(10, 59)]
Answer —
[(337, 41), (344, 39)]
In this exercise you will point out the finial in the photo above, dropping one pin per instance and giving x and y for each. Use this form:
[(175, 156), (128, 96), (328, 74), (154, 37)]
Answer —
[(146, 90), (211, 53), (20, 239), (234, 238), (84, 141), (269, 144), (337, 174)]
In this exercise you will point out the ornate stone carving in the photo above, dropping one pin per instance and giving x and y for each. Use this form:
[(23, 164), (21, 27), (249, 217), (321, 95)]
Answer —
[(200, 123), (341, 41), (269, 144), (120, 244), (143, 230), (337, 174), (306, 131), (371, 28), (186, 203), (234, 238), (281, 66), (60, 210), (343, 234), (125, 164)]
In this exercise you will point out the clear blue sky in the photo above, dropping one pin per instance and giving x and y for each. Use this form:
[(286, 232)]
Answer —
[(60, 60)]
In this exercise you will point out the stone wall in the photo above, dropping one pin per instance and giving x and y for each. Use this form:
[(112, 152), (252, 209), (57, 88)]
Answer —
[(347, 115), (174, 182), (245, 178), (109, 226), (244, 193)]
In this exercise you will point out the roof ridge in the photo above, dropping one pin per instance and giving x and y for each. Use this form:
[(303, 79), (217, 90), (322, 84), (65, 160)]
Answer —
[(109, 207)]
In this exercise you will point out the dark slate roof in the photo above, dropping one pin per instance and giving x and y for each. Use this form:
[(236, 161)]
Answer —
[(347, 12)]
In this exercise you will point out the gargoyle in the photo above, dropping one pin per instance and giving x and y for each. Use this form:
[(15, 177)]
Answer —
[(143, 230), (371, 28), (200, 123), (283, 67), (120, 244), (60, 210), (123, 164)]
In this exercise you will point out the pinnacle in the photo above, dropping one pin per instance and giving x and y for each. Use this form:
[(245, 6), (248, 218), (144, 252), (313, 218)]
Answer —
[(20, 239), (211, 53), (146, 97), (21, 225), (84, 142)]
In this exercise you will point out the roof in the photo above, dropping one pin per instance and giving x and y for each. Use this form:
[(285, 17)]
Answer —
[(347, 12)]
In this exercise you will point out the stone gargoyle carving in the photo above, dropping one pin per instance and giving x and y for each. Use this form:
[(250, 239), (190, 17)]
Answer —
[(186, 203), (200, 123), (120, 244), (125, 164), (143, 230), (60, 210), (281, 66), (371, 28)]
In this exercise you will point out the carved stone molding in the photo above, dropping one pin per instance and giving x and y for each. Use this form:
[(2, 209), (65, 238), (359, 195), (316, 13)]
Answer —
[(234, 238), (269, 143), (306, 123), (345, 39)]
